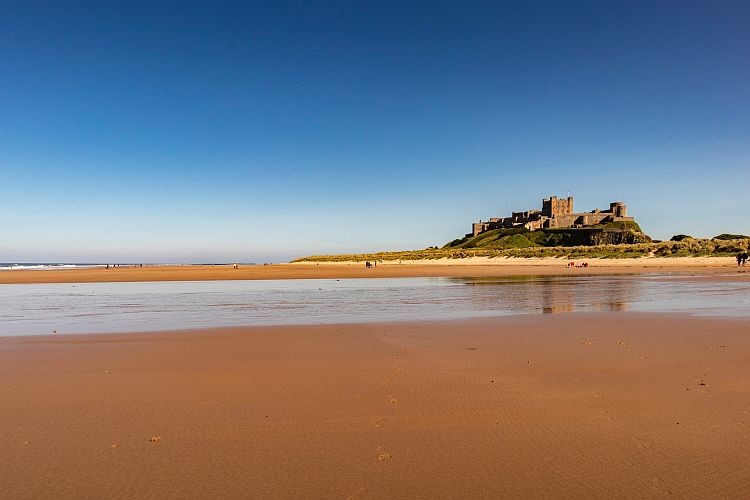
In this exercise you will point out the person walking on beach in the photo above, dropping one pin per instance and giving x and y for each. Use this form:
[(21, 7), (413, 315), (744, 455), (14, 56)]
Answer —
[(739, 259), (744, 258)]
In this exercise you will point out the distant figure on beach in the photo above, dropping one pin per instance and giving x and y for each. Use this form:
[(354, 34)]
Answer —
[(235, 266), (742, 258), (738, 261), (572, 264), (368, 265)]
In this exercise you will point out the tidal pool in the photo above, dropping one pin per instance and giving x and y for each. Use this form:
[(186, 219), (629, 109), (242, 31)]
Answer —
[(150, 306)]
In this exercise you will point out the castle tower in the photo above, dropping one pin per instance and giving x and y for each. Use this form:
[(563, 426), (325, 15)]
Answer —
[(553, 207), (569, 208), (618, 209)]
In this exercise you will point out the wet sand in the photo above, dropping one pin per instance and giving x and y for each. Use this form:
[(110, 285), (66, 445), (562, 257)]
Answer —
[(470, 267), (566, 406)]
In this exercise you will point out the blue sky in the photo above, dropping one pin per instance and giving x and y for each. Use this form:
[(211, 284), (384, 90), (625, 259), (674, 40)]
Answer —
[(260, 131)]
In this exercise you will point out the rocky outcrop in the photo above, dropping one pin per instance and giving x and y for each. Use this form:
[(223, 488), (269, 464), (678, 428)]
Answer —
[(616, 237)]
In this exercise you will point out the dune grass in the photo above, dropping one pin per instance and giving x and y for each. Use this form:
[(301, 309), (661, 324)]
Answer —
[(689, 247)]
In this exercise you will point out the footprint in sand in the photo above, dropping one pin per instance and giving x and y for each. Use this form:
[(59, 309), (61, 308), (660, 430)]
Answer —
[(361, 490), (393, 401), (639, 443), (661, 486), (377, 422), (155, 439), (384, 456)]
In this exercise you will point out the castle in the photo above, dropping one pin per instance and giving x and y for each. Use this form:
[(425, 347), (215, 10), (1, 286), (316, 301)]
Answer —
[(555, 213)]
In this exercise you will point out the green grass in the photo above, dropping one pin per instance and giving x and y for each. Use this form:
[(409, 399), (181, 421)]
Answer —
[(686, 248), (681, 237), (626, 225), (728, 236), (626, 232)]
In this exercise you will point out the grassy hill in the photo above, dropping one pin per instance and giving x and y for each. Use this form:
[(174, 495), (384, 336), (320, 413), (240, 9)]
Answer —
[(610, 233), (611, 241), (689, 247)]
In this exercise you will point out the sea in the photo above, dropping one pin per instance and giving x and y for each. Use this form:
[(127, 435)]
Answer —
[(45, 266), (42, 266)]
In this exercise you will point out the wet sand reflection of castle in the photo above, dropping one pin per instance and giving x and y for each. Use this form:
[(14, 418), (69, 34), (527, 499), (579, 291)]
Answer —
[(549, 294), (590, 296)]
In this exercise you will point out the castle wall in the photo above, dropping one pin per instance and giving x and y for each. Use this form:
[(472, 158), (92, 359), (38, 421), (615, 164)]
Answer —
[(555, 213)]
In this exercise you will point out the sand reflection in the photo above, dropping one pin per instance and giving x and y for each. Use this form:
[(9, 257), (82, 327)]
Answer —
[(149, 306), (555, 294)]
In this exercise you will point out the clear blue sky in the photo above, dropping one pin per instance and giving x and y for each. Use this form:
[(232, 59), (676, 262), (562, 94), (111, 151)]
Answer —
[(258, 131)]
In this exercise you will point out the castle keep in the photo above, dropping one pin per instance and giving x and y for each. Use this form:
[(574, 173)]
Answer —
[(555, 213)]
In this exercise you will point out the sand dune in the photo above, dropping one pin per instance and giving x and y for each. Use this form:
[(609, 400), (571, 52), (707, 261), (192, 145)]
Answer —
[(566, 406)]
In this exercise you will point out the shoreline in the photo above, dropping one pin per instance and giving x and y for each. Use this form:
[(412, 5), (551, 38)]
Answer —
[(469, 267), (583, 405), (453, 323)]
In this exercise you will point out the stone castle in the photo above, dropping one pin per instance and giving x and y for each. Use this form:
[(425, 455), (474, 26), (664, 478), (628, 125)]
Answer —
[(555, 213)]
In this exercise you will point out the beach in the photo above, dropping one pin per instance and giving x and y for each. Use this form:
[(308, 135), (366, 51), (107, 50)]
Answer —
[(469, 267), (610, 405), (374, 250)]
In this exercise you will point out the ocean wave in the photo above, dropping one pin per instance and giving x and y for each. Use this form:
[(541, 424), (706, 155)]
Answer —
[(11, 266)]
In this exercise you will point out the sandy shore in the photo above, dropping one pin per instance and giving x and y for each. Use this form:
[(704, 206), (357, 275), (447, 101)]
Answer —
[(573, 405), (470, 267)]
